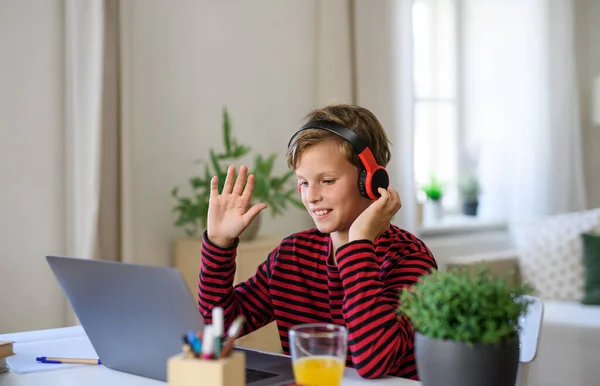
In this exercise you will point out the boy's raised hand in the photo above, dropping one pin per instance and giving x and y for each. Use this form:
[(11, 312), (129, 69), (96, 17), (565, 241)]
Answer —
[(228, 213), (375, 220)]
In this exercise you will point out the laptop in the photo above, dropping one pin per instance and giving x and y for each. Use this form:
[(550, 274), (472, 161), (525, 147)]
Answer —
[(135, 317)]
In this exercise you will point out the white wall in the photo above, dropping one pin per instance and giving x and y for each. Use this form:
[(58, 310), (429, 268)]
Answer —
[(182, 64), (587, 21), (31, 163)]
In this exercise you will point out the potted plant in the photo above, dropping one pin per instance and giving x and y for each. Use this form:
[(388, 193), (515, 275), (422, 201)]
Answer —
[(469, 192), (466, 327), (434, 192), (276, 191)]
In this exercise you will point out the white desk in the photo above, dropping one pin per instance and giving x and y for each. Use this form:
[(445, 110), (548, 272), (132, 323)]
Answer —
[(102, 376)]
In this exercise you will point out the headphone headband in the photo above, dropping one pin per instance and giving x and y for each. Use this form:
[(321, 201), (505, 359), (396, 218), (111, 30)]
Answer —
[(335, 128)]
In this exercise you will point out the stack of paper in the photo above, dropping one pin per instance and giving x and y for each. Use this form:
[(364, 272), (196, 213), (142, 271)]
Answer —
[(25, 359), (68, 342)]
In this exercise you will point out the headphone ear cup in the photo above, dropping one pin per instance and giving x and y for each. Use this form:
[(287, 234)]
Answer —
[(362, 182), (369, 185), (379, 179)]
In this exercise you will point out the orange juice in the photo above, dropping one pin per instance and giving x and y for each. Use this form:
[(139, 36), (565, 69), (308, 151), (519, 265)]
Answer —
[(318, 371)]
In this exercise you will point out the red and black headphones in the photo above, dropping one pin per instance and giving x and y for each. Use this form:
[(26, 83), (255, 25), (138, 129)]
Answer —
[(371, 176)]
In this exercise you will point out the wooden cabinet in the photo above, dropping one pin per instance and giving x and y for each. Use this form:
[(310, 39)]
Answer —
[(186, 257)]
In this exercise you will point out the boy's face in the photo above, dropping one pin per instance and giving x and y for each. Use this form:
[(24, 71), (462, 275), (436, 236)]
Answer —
[(329, 187)]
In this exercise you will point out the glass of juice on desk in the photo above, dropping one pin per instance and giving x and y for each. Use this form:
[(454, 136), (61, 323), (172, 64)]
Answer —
[(318, 353)]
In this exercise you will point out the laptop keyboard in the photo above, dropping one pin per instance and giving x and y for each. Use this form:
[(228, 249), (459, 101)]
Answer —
[(257, 375)]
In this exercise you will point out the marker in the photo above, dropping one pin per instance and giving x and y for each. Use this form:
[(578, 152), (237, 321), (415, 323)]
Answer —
[(208, 344), (232, 335), (194, 342), (76, 361), (217, 330)]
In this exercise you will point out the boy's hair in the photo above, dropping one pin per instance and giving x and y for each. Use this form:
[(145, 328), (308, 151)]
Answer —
[(356, 118)]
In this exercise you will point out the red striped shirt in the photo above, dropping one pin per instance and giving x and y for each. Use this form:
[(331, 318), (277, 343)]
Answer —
[(296, 284)]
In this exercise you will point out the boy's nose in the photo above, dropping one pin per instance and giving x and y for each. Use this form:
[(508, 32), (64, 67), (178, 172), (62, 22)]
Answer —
[(314, 194)]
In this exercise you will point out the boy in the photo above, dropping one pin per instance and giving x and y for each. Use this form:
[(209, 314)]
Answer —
[(348, 270)]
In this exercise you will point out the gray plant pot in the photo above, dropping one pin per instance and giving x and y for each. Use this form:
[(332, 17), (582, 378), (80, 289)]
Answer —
[(470, 208), (450, 363)]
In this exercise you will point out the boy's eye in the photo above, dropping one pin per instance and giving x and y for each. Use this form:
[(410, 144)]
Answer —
[(303, 183), (329, 182)]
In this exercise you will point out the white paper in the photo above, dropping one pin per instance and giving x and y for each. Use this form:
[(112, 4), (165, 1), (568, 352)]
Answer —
[(55, 333), (72, 347)]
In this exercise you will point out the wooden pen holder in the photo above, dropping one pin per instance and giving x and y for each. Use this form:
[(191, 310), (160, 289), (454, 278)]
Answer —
[(185, 371)]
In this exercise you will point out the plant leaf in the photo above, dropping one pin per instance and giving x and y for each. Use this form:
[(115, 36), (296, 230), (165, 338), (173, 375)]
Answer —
[(226, 131), (464, 305), (240, 151), (215, 162), (196, 182)]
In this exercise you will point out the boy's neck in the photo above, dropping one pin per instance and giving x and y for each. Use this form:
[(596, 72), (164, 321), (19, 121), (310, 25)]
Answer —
[(337, 240)]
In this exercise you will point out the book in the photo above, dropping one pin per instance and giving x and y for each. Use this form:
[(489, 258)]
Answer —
[(6, 349)]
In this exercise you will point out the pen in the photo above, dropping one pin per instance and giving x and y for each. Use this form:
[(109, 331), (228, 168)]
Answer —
[(78, 361), (232, 334), (217, 323)]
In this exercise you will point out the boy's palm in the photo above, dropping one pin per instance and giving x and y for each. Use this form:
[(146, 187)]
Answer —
[(375, 220), (228, 213)]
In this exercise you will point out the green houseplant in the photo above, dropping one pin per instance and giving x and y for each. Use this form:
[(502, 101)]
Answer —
[(433, 189), (469, 189), (432, 207), (276, 191), (466, 327)]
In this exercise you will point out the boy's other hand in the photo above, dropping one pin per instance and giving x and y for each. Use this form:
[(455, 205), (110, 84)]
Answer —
[(228, 213), (375, 220)]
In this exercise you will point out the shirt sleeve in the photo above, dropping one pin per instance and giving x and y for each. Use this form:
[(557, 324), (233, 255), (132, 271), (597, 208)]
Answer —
[(378, 339), (249, 299)]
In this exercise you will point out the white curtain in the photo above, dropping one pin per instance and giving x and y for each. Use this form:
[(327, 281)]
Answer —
[(109, 216), (364, 55), (521, 106), (564, 118), (83, 77)]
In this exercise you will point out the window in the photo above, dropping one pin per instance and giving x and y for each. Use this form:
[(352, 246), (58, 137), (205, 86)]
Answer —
[(436, 98)]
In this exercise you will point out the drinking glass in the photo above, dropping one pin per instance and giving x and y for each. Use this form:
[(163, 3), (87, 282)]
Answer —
[(318, 353)]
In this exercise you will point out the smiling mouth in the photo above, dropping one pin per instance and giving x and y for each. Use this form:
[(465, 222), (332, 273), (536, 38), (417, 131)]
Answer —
[(321, 212)]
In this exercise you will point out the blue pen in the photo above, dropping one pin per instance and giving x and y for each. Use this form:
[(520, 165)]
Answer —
[(194, 342), (77, 361)]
